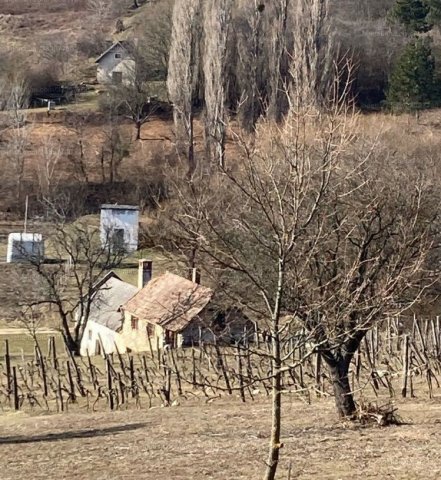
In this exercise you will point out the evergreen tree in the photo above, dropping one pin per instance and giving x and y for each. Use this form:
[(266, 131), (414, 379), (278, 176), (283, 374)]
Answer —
[(434, 11), (411, 84), (413, 14)]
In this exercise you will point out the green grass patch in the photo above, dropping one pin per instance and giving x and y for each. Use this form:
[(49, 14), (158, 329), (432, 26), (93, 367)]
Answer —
[(22, 344)]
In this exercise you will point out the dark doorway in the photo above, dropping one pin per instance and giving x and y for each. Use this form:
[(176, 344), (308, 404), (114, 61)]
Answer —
[(118, 239), (117, 78)]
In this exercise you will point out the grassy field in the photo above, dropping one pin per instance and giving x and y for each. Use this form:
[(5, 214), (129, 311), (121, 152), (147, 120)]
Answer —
[(22, 344), (222, 440)]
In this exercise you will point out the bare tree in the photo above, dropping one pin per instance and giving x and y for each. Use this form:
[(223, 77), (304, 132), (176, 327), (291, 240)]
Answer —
[(77, 150), (308, 234), (154, 34), (183, 73), (18, 131), (115, 147), (217, 19), (50, 154), (102, 10), (312, 62), (55, 50), (71, 281), (278, 58), (136, 102)]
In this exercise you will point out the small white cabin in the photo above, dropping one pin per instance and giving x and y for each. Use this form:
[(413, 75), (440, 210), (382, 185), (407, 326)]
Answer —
[(24, 246), (119, 227), (116, 65)]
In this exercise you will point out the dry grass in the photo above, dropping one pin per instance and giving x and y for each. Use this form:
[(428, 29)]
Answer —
[(218, 441)]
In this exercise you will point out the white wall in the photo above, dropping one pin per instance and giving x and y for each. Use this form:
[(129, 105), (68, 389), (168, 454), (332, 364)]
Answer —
[(23, 246), (109, 64), (120, 219), (95, 331)]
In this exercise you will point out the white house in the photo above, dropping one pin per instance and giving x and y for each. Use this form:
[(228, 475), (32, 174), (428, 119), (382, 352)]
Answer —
[(102, 332), (116, 65), (119, 226)]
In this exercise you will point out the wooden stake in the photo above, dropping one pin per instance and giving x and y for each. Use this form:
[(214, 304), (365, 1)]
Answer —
[(405, 366), (15, 389)]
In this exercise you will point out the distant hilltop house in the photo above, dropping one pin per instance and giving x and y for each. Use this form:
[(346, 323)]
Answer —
[(168, 311), (116, 65)]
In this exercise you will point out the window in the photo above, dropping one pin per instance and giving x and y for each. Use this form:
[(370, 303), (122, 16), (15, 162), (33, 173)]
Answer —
[(150, 329), (135, 322), (90, 334), (118, 55)]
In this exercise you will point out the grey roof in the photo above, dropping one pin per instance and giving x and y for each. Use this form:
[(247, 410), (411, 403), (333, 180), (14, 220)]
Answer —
[(112, 293), (110, 206), (121, 43)]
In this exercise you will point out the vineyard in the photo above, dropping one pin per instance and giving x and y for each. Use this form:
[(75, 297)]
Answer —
[(393, 361)]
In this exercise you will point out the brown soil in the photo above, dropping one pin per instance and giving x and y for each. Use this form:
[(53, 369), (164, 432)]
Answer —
[(225, 440)]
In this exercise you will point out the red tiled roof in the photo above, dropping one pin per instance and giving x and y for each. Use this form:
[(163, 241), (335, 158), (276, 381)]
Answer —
[(170, 301)]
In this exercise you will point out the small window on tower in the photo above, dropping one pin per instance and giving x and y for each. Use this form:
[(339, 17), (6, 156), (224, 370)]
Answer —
[(135, 322), (90, 334), (118, 55)]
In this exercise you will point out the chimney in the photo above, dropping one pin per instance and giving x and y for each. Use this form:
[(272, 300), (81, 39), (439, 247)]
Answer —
[(145, 271), (195, 275)]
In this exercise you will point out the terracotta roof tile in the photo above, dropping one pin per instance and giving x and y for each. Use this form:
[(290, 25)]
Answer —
[(170, 301)]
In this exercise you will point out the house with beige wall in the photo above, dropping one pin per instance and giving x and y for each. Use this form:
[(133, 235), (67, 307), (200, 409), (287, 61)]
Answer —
[(168, 310), (174, 311)]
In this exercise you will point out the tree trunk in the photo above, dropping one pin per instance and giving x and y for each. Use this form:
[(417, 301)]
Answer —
[(190, 152), (138, 130), (72, 345), (276, 408), (344, 398), (276, 413)]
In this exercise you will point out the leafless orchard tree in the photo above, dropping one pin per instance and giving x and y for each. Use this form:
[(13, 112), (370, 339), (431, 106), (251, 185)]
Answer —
[(183, 73), (307, 226), (217, 20)]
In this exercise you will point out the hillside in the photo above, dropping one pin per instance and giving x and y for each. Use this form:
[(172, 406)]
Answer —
[(361, 27)]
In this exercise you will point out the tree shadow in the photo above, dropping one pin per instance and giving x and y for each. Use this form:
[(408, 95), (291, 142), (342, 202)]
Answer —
[(54, 437)]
